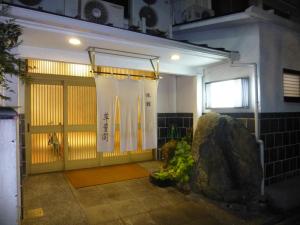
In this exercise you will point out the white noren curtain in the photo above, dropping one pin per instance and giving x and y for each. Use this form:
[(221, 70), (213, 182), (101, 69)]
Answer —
[(107, 90)]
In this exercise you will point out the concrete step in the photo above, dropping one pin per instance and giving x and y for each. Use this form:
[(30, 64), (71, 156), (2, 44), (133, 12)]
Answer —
[(285, 195)]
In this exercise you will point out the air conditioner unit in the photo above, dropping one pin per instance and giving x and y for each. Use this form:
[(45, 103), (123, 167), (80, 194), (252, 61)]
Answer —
[(186, 11), (29, 3), (54, 6), (102, 12), (157, 14), (207, 4), (192, 13)]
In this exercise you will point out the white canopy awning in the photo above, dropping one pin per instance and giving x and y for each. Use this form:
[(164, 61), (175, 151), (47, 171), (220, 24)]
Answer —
[(46, 36)]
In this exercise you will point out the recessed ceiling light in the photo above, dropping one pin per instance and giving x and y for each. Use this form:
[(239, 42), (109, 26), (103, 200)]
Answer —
[(175, 57), (74, 41)]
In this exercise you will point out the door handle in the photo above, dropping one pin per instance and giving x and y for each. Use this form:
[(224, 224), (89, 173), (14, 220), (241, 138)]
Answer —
[(28, 127)]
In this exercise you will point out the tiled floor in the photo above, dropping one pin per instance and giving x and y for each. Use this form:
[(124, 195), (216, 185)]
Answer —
[(132, 202)]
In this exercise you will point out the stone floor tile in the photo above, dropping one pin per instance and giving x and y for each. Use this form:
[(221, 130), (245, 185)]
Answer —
[(91, 197), (58, 219), (193, 211), (173, 197), (205, 221), (100, 214), (169, 216), (51, 193), (197, 213), (139, 219), (132, 202), (133, 184), (142, 192), (113, 222), (117, 194), (128, 207), (151, 202), (86, 189)]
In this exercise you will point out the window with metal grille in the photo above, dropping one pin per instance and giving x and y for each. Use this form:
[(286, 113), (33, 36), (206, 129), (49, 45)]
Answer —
[(291, 85)]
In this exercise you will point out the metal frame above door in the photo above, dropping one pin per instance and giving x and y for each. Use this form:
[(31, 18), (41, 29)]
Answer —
[(92, 51)]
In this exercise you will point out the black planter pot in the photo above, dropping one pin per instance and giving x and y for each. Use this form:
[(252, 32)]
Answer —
[(161, 183)]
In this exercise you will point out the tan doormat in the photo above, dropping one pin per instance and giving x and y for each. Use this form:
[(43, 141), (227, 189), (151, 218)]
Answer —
[(104, 175)]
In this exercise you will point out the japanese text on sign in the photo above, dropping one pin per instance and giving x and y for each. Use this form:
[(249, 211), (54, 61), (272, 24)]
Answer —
[(105, 127)]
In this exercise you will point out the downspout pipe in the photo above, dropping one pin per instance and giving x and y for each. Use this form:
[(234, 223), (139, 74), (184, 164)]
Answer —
[(256, 119)]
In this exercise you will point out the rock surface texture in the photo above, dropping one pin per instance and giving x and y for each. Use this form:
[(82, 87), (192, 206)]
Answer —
[(227, 160)]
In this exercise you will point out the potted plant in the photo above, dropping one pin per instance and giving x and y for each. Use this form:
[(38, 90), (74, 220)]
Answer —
[(162, 178), (178, 169)]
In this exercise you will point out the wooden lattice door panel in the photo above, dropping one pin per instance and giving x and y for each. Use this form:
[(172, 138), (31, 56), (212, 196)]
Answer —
[(81, 145), (46, 121), (44, 152), (81, 124), (46, 104), (81, 105)]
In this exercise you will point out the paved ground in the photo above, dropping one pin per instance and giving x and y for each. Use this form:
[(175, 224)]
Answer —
[(49, 199)]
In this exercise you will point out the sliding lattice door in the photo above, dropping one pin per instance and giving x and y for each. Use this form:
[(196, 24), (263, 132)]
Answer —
[(81, 130), (61, 120), (46, 125)]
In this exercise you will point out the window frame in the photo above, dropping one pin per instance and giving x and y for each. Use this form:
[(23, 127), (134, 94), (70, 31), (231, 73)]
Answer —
[(221, 108), (290, 98)]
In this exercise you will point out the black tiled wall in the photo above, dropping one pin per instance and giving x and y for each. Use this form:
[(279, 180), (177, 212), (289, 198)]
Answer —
[(246, 118), (281, 135), (181, 121)]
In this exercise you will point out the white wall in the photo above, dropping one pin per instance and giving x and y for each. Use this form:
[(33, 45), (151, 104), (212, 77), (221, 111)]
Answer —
[(280, 49), (244, 39), (179, 94), (166, 95), (271, 46), (186, 90), (187, 100), (8, 173)]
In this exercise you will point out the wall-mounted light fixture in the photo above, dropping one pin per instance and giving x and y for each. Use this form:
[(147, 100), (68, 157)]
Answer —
[(74, 41), (175, 57)]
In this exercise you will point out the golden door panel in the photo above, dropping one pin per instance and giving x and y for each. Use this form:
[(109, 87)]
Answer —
[(81, 105), (46, 105), (82, 145), (58, 68), (46, 148)]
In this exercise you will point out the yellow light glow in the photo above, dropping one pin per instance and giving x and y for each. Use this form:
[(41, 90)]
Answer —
[(74, 41), (175, 57)]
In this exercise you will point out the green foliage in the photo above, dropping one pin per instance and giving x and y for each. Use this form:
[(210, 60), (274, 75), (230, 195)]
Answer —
[(180, 166), (189, 136), (162, 175), (10, 65)]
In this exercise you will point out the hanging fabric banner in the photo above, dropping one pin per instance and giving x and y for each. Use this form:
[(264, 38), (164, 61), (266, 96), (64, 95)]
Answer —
[(107, 90), (130, 93), (149, 115)]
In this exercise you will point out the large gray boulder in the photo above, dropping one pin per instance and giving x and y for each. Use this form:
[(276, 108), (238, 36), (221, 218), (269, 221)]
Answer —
[(227, 160)]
